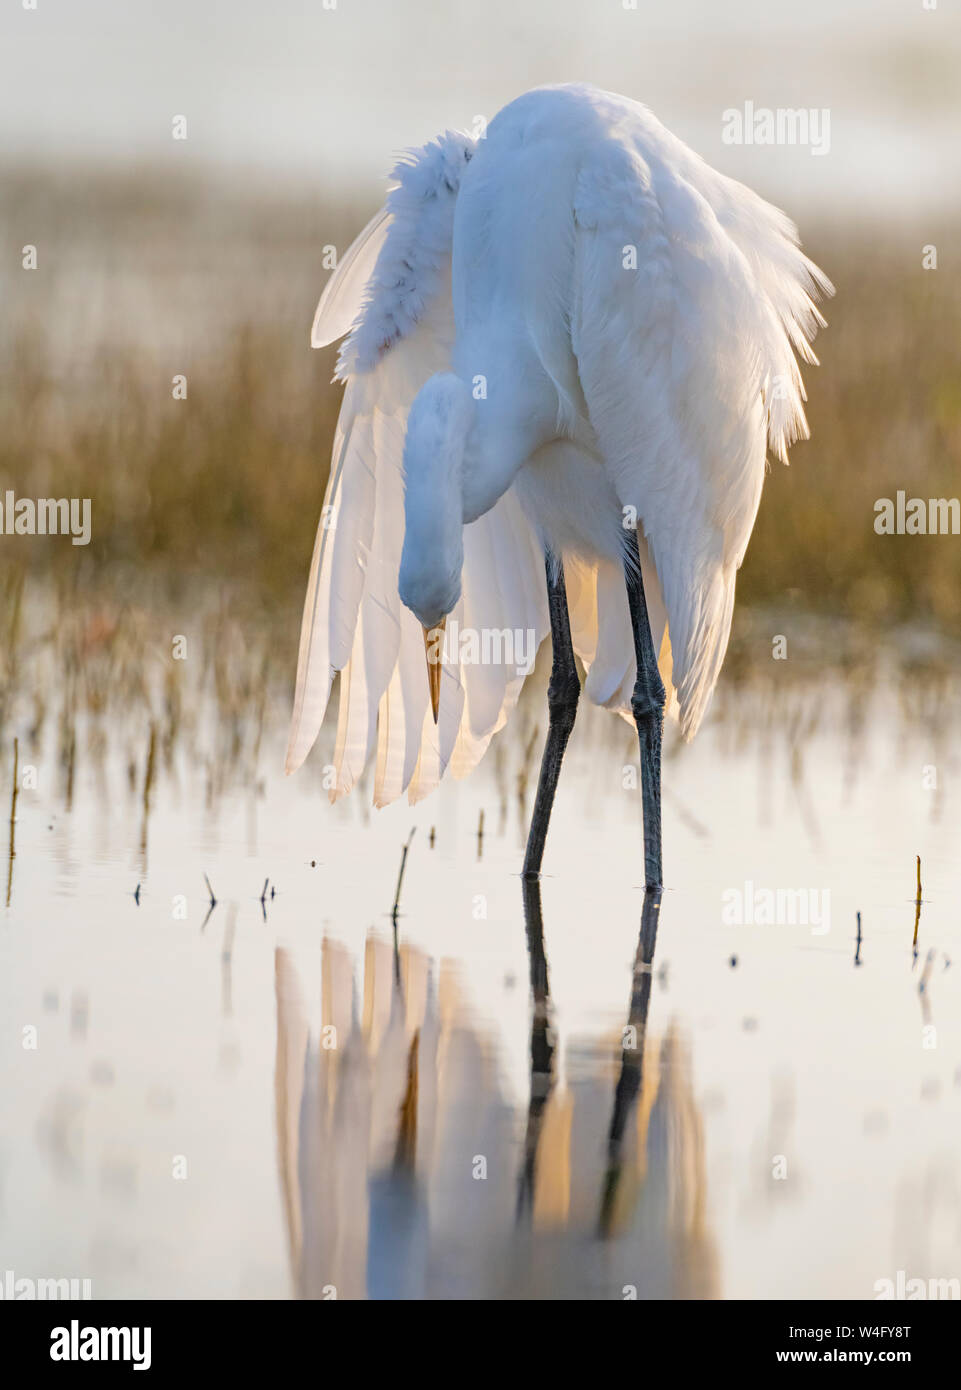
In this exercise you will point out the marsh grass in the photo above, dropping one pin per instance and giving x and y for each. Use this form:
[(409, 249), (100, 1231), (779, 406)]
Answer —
[(143, 277), (885, 415)]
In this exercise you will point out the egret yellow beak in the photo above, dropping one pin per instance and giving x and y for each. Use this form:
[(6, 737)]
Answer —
[(433, 648)]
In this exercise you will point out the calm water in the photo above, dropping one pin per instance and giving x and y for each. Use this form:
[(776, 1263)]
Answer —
[(284, 1097)]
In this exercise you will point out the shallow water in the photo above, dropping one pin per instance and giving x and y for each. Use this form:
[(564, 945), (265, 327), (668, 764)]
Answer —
[(285, 1097)]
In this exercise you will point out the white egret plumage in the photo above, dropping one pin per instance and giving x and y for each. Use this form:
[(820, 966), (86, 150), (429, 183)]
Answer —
[(572, 340)]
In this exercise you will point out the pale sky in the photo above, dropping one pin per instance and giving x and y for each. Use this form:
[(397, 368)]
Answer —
[(292, 88)]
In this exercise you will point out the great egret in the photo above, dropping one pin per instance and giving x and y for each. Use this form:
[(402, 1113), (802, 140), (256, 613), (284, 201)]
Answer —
[(571, 339)]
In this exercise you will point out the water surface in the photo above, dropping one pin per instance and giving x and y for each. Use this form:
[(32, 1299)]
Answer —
[(290, 1094)]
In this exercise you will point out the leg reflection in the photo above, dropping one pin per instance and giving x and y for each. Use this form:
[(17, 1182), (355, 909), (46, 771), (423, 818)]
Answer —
[(542, 1042), (543, 1047), (629, 1080)]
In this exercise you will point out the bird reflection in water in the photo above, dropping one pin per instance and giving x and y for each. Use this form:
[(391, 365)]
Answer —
[(408, 1172)]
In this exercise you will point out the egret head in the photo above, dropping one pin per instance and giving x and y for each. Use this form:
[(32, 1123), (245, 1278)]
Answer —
[(429, 582)]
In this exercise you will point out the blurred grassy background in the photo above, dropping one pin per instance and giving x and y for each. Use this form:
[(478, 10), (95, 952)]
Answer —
[(141, 278)]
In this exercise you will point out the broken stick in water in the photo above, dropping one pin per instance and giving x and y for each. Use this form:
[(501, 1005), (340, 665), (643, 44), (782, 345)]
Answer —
[(917, 910), (13, 817), (400, 876)]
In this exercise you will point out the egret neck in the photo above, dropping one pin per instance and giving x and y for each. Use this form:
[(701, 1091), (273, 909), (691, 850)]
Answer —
[(429, 583)]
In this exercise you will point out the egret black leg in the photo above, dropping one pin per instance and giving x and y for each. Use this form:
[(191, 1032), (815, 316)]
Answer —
[(647, 706), (562, 695)]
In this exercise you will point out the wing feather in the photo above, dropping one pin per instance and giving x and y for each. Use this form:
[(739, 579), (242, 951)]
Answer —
[(702, 322), (340, 303)]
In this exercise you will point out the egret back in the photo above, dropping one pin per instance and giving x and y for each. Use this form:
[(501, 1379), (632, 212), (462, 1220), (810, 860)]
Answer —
[(644, 313)]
